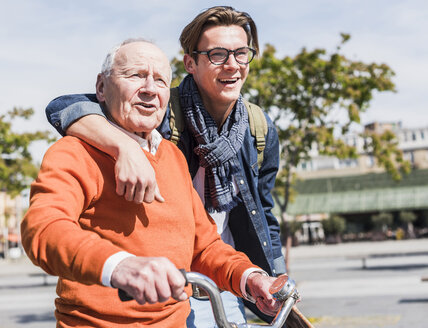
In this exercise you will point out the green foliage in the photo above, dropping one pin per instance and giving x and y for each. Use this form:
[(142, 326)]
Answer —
[(289, 228), (16, 167), (333, 226), (294, 226), (382, 220), (313, 99), (384, 148), (407, 217), (178, 70)]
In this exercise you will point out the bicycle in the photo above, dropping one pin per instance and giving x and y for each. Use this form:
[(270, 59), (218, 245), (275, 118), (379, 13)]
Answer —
[(283, 289)]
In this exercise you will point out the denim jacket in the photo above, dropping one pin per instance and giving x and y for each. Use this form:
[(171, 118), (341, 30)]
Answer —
[(254, 228)]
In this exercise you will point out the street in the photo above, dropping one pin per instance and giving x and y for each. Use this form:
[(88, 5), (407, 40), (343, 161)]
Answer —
[(26, 298), (336, 290)]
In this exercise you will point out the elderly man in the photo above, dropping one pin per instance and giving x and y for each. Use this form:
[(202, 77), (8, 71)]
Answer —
[(78, 228), (217, 142)]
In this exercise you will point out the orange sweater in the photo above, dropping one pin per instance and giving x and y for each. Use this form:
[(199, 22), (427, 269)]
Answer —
[(76, 221)]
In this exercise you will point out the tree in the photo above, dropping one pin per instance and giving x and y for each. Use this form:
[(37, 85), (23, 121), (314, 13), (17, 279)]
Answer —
[(16, 163), (293, 227), (16, 166), (381, 223), (178, 70), (333, 227), (314, 98)]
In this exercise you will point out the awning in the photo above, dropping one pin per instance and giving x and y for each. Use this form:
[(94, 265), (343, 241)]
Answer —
[(360, 201), (361, 193)]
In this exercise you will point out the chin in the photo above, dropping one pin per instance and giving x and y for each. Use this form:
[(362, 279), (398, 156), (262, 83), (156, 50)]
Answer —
[(230, 96)]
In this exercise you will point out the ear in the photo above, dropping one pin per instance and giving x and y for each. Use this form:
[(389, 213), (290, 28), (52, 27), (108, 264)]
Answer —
[(189, 63), (100, 88)]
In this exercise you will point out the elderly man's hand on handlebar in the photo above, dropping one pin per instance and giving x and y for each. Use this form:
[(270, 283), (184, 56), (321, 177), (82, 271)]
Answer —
[(258, 287), (149, 279)]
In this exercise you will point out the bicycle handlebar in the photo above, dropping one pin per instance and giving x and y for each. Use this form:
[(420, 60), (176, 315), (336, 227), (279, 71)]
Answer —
[(283, 289)]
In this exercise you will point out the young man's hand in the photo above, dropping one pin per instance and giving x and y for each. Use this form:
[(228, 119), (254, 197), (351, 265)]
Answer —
[(135, 177), (258, 286)]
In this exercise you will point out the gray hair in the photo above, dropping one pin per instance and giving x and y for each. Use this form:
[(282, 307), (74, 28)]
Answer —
[(107, 66)]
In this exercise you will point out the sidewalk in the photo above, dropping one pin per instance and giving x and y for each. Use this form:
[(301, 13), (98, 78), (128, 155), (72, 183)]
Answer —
[(335, 291), (338, 291), (302, 252), (358, 249), (21, 266)]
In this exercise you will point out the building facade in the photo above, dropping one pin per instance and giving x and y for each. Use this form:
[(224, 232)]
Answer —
[(357, 188), (412, 141), (10, 218)]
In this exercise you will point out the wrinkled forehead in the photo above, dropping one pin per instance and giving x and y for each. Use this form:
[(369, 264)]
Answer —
[(141, 54)]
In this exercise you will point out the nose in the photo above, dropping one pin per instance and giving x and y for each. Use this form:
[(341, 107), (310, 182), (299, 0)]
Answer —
[(148, 86), (231, 61)]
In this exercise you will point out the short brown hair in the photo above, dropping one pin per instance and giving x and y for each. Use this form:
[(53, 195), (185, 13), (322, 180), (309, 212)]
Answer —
[(217, 16)]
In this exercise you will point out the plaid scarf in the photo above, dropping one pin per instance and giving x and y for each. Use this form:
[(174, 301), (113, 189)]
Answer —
[(216, 150)]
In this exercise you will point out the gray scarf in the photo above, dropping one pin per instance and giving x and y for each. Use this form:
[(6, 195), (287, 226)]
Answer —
[(216, 150)]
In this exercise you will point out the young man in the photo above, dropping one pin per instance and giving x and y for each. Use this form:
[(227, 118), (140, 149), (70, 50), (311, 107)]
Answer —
[(79, 229), (219, 148)]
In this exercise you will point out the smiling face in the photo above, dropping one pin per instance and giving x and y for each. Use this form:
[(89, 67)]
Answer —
[(136, 92), (219, 85)]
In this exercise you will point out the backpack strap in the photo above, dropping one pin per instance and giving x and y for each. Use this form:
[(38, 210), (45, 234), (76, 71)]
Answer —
[(258, 128), (176, 121)]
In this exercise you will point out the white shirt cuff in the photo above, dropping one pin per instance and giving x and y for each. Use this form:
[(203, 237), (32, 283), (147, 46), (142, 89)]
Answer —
[(243, 283), (110, 264)]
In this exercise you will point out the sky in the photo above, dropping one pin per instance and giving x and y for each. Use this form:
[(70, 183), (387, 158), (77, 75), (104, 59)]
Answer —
[(49, 48)]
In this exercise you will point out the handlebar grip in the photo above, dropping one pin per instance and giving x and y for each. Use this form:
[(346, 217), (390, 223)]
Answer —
[(124, 297)]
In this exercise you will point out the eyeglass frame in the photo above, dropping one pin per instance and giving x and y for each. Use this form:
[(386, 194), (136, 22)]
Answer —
[(207, 52)]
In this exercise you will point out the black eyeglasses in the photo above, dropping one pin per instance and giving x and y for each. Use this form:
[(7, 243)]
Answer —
[(219, 56)]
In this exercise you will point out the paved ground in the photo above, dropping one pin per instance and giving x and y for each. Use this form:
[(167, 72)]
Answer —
[(26, 298), (336, 291)]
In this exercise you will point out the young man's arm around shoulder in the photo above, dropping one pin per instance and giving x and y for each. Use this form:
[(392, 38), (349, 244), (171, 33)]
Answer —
[(81, 116)]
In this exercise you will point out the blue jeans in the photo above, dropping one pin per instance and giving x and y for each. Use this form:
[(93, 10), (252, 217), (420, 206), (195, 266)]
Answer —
[(201, 314)]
